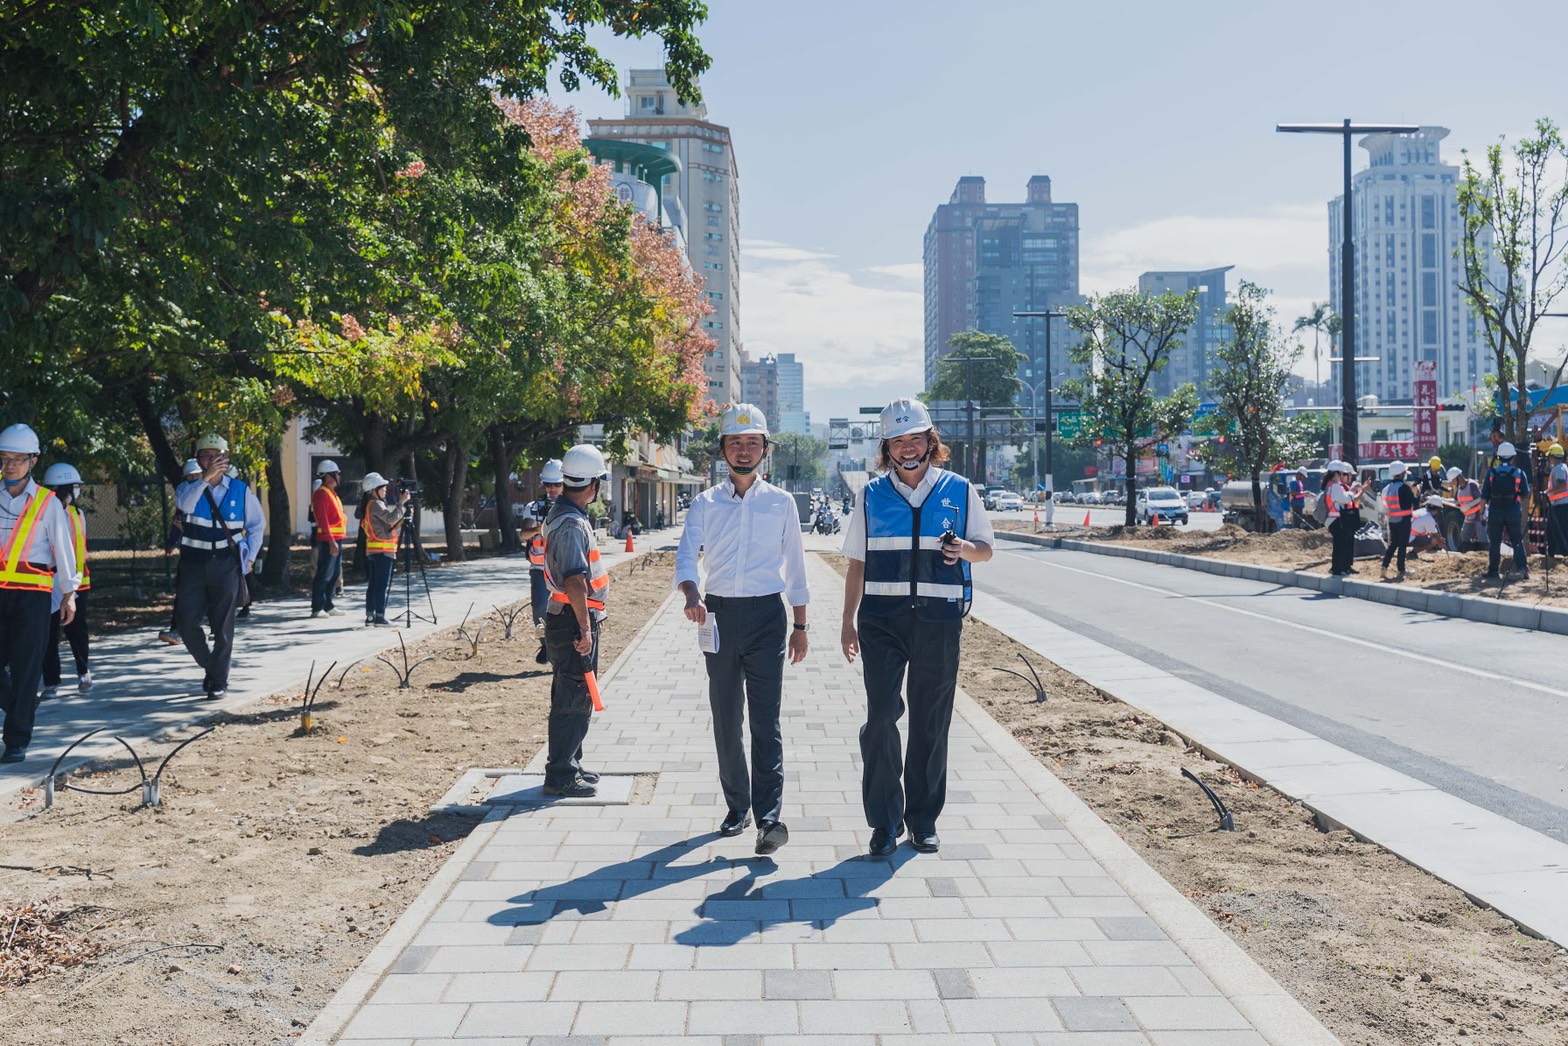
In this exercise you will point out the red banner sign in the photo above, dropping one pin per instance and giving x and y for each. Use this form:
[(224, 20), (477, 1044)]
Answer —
[(1424, 423), (1379, 450)]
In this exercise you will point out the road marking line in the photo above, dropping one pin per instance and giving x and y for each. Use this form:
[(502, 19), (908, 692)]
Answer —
[(1381, 648)]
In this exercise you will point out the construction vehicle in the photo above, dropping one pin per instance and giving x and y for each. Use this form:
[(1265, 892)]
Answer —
[(1236, 495)]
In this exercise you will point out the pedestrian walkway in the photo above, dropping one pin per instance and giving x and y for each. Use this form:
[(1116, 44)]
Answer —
[(621, 924), (143, 688)]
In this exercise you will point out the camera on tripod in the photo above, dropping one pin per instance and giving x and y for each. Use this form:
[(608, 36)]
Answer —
[(409, 486)]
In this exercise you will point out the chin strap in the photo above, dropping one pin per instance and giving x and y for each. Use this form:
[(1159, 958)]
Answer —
[(910, 466), (748, 470)]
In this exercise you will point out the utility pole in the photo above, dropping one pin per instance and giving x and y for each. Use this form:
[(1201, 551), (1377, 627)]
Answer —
[(1350, 444), (1050, 418), (969, 409)]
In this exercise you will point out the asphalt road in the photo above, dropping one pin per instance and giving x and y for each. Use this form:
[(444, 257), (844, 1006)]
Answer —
[(1479, 711), (1111, 516)]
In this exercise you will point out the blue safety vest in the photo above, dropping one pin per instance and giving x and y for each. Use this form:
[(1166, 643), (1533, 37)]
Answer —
[(201, 538), (904, 565)]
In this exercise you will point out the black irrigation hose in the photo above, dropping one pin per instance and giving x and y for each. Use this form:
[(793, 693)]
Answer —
[(177, 748), (1033, 679), (1227, 822), (101, 791)]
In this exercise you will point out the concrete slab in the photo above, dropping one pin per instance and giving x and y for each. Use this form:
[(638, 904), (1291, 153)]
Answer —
[(528, 789)]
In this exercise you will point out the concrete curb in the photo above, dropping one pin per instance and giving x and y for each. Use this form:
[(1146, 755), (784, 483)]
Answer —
[(1273, 1011), (1531, 617)]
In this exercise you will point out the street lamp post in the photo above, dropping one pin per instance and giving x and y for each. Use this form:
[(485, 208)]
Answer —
[(1351, 441), (1050, 417), (969, 409)]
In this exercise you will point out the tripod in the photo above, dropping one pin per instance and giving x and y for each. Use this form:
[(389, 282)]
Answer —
[(405, 546)]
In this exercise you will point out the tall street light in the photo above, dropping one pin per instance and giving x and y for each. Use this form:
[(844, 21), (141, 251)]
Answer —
[(1350, 443), (970, 460), (1050, 417)]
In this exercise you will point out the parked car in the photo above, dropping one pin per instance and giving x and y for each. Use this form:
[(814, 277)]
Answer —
[(1195, 499), (1164, 502), (1009, 501)]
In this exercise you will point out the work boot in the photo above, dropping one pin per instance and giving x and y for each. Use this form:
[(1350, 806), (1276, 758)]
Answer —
[(576, 788), (170, 636), (84, 682)]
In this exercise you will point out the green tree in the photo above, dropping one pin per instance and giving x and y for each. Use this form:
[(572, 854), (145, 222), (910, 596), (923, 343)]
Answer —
[(1318, 320), (1250, 372), (1127, 339), (799, 461), (1514, 214), (991, 382)]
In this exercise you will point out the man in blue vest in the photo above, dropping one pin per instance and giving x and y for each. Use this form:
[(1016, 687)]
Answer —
[(906, 592), (218, 545), (1505, 489)]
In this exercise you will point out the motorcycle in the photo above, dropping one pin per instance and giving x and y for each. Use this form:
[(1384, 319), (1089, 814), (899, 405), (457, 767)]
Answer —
[(825, 522)]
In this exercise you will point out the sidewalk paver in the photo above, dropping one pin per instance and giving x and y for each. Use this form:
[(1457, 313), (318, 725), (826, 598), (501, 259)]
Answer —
[(639, 923)]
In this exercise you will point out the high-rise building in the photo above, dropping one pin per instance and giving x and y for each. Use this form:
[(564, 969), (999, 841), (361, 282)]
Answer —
[(705, 185), (777, 385), (985, 260), (1191, 358), (1406, 232)]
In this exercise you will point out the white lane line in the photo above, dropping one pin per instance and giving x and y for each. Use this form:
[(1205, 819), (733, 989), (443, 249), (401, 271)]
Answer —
[(1340, 636)]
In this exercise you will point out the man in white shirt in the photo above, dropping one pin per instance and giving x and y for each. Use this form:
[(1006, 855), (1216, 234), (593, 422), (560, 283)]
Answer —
[(219, 543), (750, 531), (906, 592), (38, 571), (1426, 528)]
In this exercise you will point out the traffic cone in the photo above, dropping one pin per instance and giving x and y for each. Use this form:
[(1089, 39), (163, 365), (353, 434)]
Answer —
[(629, 546), (1086, 519), (1037, 514), (1154, 520)]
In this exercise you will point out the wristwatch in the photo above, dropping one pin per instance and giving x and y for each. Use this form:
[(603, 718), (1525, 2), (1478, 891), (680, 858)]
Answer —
[(801, 628)]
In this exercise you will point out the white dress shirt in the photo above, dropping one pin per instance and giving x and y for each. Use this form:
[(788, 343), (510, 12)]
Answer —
[(752, 543), (53, 543), (188, 495), (977, 522)]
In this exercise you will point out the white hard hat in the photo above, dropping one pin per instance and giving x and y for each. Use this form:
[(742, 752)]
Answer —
[(192, 467), (582, 465), (1397, 468), (212, 441), (1336, 466), (551, 473), (1455, 473), (743, 419), (61, 475), (1301, 470), (372, 481), (327, 467), (903, 416), (19, 439), (1504, 450), (1434, 502)]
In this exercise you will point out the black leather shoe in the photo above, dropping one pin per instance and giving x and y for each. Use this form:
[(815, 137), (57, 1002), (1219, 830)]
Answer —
[(13, 755), (735, 822), (884, 842), (591, 776), (924, 842), (770, 836), (576, 788)]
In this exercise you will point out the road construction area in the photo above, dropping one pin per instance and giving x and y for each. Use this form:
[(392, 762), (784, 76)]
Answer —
[(282, 862)]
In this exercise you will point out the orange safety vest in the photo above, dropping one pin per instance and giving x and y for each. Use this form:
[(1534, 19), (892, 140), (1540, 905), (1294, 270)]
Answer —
[(378, 543), (79, 536), (598, 581), (335, 527), (1470, 505), (536, 551), (1558, 497), (15, 572), (1328, 492), (1391, 504)]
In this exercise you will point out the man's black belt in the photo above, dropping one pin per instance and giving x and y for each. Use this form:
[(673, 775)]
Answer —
[(739, 601)]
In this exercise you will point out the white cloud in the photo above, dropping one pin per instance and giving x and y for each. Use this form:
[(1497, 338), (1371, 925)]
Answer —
[(859, 334)]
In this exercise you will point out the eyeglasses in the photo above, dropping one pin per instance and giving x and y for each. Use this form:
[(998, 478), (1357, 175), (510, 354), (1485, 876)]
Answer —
[(13, 460)]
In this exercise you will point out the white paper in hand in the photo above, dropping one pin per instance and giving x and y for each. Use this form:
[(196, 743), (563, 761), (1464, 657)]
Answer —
[(708, 635)]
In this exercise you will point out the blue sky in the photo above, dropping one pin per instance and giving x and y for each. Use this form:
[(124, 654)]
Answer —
[(852, 120)]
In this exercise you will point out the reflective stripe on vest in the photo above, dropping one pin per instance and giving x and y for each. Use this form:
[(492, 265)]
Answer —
[(1391, 503), (536, 551), (79, 542), (1469, 504), (378, 543), (1558, 497), (598, 574), (333, 531), (1328, 492), (16, 572), (202, 534), (905, 569)]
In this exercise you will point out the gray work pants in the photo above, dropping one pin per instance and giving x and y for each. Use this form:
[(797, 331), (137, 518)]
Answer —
[(747, 676)]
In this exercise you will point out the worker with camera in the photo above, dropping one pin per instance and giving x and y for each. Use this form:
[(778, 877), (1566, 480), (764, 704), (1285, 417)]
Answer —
[(385, 514), (38, 572), (579, 582), (219, 542), (906, 592), (755, 561)]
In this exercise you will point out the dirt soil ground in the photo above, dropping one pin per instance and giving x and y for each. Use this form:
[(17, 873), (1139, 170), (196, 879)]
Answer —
[(1379, 951), (1458, 572), (231, 913)]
